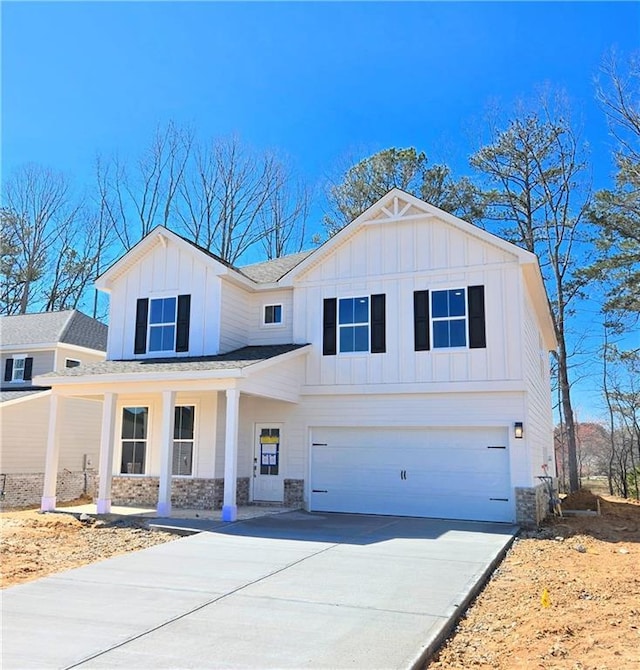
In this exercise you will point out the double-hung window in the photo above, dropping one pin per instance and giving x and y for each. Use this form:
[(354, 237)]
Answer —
[(162, 324), (449, 318), (183, 440), (18, 369), (353, 324), (134, 440)]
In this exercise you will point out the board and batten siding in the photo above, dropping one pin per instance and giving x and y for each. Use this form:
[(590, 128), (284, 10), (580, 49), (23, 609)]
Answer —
[(164, 272), (397, 264), (261, 333), (25, 428)]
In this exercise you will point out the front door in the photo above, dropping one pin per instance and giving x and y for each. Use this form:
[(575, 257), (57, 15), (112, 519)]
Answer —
[(267, 464)]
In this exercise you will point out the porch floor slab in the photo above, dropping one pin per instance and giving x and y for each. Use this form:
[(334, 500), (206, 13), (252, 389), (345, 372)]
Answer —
[(292, 590)]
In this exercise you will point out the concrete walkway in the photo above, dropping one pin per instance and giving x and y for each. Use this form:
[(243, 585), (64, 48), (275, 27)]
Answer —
[(292, 590)]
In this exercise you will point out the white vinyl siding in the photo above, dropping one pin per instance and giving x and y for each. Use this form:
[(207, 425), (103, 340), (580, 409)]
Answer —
[(235, 327), (24, 451), (260, 333)]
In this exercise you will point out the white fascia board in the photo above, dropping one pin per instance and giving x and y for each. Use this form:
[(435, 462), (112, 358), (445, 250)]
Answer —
[(31, 396), (49, 346), (124, 377)]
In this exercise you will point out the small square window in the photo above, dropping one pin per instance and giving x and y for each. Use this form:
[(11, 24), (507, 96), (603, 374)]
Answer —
[(272, 314)]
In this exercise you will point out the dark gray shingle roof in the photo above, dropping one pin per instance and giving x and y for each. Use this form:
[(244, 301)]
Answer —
[(67, 327), (270, 271), (240, 358)]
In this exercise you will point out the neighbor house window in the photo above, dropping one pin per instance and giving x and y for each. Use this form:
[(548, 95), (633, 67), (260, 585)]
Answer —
[(353, 324), (162, 324), (272, 314), (18, 369), (183, 440), (71, 363), (134, 440), (449, 318)]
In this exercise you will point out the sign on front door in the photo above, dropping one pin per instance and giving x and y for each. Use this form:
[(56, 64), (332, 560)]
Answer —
[(267, 464)]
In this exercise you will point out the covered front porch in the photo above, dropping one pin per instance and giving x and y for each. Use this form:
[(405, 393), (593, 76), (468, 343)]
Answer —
[(170, 428)]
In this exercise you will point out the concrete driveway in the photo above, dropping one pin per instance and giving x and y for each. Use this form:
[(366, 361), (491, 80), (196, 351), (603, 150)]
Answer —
[(294, 590)]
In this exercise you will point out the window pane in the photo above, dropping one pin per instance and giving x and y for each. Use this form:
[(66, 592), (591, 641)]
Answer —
[(183, 425), (361, 310), (182, 458), (456, 303), (134, 422), (155, 338), (439, 304), (345, 310), (457, 335), (277, 313), (133, 457), (268, 314), (361, 338), (155, 315), (440, 334), (169, 310), (346, 339), (168, 338)]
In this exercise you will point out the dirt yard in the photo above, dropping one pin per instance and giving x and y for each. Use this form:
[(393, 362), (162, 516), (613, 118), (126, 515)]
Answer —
[(566, 596)]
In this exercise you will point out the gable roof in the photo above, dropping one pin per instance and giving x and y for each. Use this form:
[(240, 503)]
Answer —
[(46, 328)]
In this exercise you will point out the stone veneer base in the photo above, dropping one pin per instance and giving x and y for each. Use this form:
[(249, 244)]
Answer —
[(532, 505), (25, 490)]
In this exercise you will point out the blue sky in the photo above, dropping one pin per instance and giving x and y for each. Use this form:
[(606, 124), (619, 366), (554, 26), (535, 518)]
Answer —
[(319, 82)]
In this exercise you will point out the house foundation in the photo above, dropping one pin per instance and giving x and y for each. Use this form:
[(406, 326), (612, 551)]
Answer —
[(532, 505), (25, 489)]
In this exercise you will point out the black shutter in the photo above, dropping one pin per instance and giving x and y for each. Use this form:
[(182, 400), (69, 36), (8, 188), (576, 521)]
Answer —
[(182, 324), (329, 326), (8, 370), (142, 310), (475, 300), (421, 320), (378, 324), (28, 368)]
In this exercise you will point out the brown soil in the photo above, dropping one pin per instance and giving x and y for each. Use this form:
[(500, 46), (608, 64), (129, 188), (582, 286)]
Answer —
[(590, 568), (34, 545)]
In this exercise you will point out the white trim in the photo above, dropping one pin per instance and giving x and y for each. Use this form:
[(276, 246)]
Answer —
[(272, 324), (48, 346), (14, 358)]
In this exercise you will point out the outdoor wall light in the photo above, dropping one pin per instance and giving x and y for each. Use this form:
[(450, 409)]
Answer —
[(518, 430)]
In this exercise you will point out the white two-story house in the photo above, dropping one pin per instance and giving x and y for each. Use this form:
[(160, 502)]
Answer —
[(401, 368)]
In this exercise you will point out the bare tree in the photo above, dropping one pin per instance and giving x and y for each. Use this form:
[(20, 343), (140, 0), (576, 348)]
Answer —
[(283, 218), (538, 196), (39, 213), (138, 198), (222, 202)]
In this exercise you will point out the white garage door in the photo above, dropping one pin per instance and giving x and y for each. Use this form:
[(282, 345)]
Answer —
[(436, 472)]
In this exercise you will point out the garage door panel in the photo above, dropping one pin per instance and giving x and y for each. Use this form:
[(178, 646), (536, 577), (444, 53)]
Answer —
[(448, 473)]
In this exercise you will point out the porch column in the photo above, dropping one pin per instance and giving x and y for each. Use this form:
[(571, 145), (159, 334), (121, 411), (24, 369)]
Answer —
[(48, 502), (107, 446), (229, 507), (166, 453)]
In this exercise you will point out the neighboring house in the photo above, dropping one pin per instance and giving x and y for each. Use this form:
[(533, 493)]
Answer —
[(30, 345), (401, 368)]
